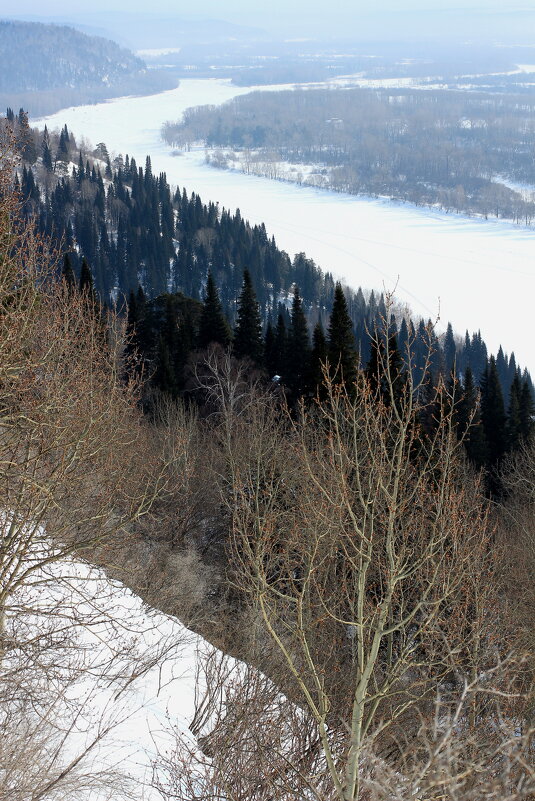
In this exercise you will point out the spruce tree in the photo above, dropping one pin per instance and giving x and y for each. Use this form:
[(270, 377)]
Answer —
[(449, 350), (248, 329), (45, 150), (25, 141), (514, 420), (67, 274), (468, 420), (527, 409), (164, 375), (494, 425), (270, 353), (404, 345), (298, 358), (281, 346), (87, 288), (63, 146), (212, 325), (341, 341), (318, 359), (86, 278), (493, 412)]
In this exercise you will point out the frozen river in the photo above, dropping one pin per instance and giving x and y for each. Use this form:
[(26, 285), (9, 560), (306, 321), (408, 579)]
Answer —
[(478, 274)]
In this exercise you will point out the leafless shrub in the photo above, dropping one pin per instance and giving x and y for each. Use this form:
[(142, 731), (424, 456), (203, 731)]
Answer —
[(367, 566)]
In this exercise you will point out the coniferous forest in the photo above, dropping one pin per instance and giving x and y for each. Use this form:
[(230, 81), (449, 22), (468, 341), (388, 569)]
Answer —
[(187, 275)]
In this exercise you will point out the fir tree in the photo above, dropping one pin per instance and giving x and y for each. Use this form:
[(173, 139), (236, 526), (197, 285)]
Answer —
[(87, 288), (404, 344), (298, 354), (164, 376), (514, 420), (45, 150), (86, 279), (527, 409), (468, 419), (319, 356), (212, 326), (494, 425), (25, 141), (341, 341), (270, 353), (248, 329), (63, 146), (449, 350), (80, 173), (67, 274), (281, 345), (493, 413)]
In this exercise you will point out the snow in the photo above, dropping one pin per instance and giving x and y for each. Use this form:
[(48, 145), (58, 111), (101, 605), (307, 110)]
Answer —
[(477, 274), (527, 191), (135, 670), (153, 52)]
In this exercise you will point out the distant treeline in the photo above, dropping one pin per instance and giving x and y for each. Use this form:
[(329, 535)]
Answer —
[(451, 149)]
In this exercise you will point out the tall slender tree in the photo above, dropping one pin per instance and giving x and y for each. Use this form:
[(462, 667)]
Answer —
[(318, 359), (527, 409), (494, 425), (248, 329), (341, 341), (67, 274), (514, 419), (450, 349), (281, 345), (212, 325), (45, 151), (493, 412), (298, 356), (270, 355), (86, 278), (468, 420)]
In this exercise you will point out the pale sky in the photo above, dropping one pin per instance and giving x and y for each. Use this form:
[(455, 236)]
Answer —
[(297, 17), (217, 9), (233, 8)]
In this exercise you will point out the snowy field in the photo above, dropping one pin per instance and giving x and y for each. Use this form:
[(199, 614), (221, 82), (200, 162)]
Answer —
[(477, 274)]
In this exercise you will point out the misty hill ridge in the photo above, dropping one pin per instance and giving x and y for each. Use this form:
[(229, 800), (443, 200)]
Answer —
[(38, 57)]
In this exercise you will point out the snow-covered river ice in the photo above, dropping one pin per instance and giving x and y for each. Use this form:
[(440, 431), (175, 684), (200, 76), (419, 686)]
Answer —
[(478, 274)]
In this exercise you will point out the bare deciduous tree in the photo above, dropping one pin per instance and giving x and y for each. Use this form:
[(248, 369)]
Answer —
[(79, 466), (364, 554)]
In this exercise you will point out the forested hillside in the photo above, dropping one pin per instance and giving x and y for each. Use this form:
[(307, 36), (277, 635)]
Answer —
[(191, 274), (47, 66), (463, 151)]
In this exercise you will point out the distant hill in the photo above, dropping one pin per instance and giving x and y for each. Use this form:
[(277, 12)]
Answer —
[(36, 56), (45, 67), (146, 30)]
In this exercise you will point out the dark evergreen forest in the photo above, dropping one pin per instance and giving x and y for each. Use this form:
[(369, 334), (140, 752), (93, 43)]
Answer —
[(190, 275)]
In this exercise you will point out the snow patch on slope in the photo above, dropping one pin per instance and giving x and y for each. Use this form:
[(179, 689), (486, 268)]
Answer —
[(117, 679)]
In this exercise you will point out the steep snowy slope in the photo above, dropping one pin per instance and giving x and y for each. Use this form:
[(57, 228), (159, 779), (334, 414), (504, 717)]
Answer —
[(95, 681)]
